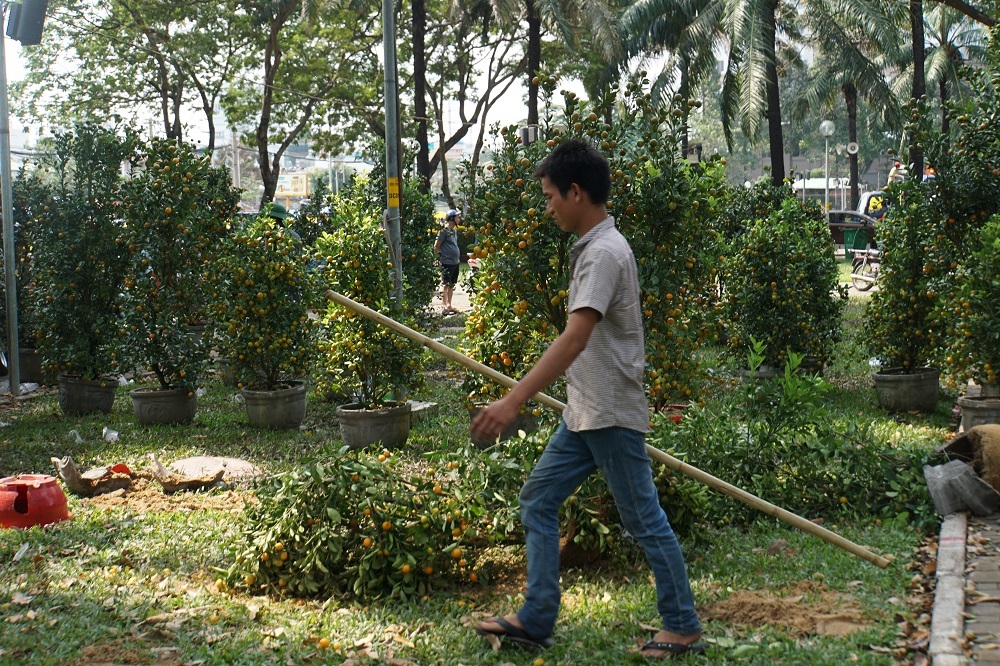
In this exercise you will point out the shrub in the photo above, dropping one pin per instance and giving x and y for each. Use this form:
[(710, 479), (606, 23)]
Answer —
[(417, 227), (81, 261), (358, 524), (973, 345), (264, 290), (900, 315), (777, 440), (662, 204), (781, 285), (31, 194), (176, 211), (359, 357)]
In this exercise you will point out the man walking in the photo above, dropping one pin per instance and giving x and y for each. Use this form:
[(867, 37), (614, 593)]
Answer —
[(602, 352), (447, 247)]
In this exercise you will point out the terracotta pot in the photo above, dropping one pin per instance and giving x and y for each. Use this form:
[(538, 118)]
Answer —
[(31, 499), (361, 427), (155, 406), (281, 409), (30, 367), (901, 391), (79, 396), (979, 411)]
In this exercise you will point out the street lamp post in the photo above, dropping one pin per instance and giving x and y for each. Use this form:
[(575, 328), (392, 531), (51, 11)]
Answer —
[(826, 128)]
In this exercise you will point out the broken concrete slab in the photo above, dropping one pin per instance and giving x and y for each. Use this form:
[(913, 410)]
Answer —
[(233, 468), (421, 411)]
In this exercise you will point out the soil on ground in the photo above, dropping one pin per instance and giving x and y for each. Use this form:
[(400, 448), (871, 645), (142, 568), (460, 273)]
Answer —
[(145, 494), (806, 609)]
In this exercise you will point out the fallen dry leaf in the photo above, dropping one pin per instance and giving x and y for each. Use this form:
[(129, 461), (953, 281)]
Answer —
[(20, 599), (494, 641)]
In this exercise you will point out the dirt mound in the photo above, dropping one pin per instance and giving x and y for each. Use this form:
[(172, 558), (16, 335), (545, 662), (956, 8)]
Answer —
[(126, 652), (145, 494), (825, 613)]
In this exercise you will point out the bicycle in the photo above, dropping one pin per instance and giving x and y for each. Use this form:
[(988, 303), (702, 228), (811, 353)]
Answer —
[(864, 269)]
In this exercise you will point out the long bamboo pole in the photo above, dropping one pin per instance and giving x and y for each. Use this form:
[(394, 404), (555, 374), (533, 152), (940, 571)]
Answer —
[(654, 453)]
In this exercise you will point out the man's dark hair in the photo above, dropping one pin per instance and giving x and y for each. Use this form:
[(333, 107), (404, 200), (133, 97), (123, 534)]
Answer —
[(577, 161)]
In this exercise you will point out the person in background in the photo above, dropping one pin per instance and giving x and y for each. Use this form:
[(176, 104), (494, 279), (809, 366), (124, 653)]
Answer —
[(280, 213), (449, 257), (602, 352), (897, 173), (929, 173)]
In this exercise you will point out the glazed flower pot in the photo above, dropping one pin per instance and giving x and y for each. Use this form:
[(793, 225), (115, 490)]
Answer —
[(155, 406), (31, 499), (281, 409), (79, 396), (900, 391), (361, 427)]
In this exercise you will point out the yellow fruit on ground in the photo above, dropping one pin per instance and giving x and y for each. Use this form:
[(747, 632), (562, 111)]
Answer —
[(323, 643)]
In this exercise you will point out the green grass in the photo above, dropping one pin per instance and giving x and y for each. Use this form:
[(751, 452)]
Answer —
[(85, 588)]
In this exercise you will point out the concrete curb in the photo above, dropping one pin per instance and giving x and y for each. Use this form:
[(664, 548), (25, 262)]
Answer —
[(948, 616)]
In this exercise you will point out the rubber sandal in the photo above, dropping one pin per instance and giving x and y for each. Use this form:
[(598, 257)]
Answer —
[(671, 650), (515, 634)]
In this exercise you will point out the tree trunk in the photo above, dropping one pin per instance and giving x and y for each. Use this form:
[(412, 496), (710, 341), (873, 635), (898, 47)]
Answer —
[(945, 122), (774, 132), (916, 156), (272, 58), (684, 91), (851, 101), (419, 20), (534, 59)]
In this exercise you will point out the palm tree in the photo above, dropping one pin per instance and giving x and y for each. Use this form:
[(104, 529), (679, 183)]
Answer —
[(563, 17), (688, 31), (852, 58), (750, 95), (954, 42)]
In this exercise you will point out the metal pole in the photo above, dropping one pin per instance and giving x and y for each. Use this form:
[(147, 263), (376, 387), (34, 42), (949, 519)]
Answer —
[(236, 160), (826, 173), (329, 168), (392, 150), (6, 192)]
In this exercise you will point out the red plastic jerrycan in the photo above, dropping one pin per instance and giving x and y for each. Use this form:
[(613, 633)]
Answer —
[(31, 499)]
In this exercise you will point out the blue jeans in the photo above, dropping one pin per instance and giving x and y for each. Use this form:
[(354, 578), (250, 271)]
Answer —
[(569, 458)]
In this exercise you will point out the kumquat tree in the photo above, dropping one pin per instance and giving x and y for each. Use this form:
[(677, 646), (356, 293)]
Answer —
[(662, 203)]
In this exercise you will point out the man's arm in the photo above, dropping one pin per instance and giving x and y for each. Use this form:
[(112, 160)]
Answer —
[(497, 416)]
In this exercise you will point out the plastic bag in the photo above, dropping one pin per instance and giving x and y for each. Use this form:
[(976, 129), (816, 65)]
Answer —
[(955, 486)]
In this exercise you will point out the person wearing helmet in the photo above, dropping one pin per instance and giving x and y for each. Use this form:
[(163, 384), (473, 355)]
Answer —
[(449, 257)]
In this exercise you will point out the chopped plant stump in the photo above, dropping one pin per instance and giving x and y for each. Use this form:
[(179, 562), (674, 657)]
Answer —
[(826, 613), (93, 482)]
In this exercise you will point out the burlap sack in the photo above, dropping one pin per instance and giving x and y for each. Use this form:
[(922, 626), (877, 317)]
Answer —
[(985, 441)]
